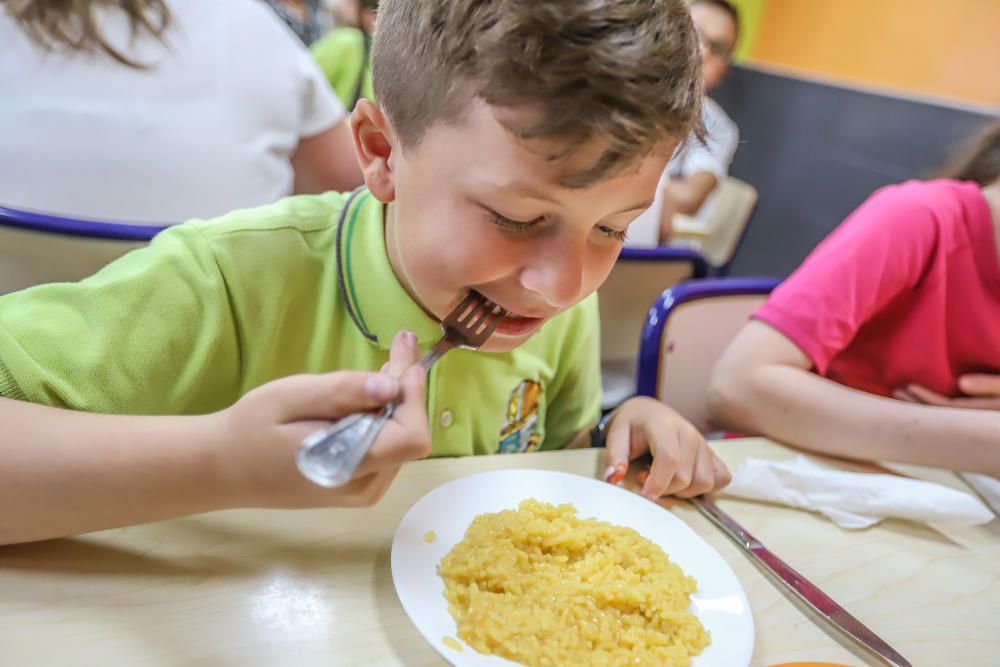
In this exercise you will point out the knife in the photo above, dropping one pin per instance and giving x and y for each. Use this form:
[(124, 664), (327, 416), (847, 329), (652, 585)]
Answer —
[(802, 587)]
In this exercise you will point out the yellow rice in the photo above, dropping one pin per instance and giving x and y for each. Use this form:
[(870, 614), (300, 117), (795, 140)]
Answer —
[(542, 587)]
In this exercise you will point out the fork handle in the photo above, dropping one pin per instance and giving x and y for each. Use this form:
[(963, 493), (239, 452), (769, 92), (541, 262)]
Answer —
[(330, 457)]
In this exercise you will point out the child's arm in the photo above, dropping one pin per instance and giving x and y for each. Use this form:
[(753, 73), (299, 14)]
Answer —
[(683, 463), (67, 472), (763, 385)]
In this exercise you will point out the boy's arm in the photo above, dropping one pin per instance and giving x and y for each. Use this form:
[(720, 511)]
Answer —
[(763, 385), (67, 472)]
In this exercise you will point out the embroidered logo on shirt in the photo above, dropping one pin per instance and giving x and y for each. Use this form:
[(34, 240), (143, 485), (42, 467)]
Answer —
[(519, 431)]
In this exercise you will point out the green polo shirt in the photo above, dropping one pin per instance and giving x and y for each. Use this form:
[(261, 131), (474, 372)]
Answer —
[(211, 309), (341, 56)]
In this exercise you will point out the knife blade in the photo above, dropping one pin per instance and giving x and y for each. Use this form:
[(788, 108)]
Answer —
[(804, 589)]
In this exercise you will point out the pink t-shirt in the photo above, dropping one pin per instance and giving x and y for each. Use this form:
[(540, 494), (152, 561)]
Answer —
[(906, 290)]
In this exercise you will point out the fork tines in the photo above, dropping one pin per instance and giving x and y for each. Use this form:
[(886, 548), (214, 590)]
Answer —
[(478, 316)]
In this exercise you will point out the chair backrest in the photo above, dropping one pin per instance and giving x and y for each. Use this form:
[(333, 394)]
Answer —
[(688, 328), (638, 277), (719, 232), (732, 208), (36, 248)]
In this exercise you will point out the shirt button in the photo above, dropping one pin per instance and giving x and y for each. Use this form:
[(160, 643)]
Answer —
[(446, 418)]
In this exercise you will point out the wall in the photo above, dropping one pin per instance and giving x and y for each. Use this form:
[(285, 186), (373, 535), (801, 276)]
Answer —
[(815, 151), (948, 49)]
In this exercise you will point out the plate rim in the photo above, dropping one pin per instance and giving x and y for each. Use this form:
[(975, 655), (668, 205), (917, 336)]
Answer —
[(450, 654)]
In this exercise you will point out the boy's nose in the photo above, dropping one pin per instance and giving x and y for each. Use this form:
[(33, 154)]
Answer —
[(556, 274)]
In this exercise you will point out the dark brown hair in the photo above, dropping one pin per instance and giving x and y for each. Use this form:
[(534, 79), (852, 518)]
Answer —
[(625, 71), (73, 24), (979, 161)]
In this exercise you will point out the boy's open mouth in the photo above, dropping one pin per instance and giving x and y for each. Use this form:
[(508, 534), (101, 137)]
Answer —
[(517, 325), (514, 324)]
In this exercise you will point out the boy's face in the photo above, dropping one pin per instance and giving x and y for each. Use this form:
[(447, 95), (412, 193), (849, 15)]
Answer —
[(474, 208)]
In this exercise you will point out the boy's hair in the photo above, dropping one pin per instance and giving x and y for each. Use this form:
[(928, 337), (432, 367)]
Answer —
[(626, 71), (729, 8), (979, 161)]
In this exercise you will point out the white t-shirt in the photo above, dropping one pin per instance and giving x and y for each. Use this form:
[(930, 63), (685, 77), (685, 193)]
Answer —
[(210, 126), (713, 156)]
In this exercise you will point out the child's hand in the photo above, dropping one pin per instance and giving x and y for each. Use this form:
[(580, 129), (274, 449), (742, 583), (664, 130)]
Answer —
[(982, 392), (683, 463), (262, 432)]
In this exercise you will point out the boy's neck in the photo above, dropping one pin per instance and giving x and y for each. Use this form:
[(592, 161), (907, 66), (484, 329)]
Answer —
[(391, 249)]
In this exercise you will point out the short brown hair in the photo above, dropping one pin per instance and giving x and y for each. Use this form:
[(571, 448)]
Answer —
[(979, 161), (624, 70), (74, 24)]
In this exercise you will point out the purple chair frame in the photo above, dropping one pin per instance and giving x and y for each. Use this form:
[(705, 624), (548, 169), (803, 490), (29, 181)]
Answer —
[(665, 254), (93, 229), (672, 297)]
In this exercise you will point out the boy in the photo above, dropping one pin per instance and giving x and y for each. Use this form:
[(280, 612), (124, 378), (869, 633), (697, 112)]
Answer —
[(498, 162)]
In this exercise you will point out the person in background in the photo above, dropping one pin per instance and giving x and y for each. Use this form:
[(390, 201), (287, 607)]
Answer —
[(885, 344), (143, 110), (344, 55), (302, 16), (699, 165)]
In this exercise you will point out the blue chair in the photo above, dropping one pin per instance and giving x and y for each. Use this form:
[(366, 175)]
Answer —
[(686, 332), (638, 277), (36, 248)]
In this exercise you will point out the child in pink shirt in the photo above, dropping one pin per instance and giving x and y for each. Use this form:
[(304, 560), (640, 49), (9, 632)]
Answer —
[(881, 342)]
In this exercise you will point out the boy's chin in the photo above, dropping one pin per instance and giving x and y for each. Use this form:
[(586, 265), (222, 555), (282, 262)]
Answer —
[(503, 343)]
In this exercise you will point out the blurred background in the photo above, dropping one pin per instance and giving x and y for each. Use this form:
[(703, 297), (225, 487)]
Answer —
[(835, 98)]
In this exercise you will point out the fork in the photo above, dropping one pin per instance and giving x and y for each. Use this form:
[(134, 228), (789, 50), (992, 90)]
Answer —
[(330, 457)]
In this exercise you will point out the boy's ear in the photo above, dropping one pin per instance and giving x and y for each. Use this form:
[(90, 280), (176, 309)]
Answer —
[(373, 143)]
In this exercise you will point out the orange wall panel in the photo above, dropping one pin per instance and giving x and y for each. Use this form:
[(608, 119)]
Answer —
[(936, 48)]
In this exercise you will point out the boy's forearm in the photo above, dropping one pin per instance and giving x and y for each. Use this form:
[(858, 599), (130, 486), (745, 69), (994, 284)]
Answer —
[(800, 408), (68, 472)]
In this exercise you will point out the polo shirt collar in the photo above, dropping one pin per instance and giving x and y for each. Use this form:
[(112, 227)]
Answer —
[(379, 303)]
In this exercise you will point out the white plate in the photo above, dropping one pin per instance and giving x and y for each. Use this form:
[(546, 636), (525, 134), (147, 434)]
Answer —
[(719, 603)]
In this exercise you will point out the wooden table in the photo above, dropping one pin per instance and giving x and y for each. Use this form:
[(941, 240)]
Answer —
[(263, 587)]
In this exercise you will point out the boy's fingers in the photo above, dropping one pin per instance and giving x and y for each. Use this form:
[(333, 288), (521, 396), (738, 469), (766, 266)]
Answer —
[(703, 479), (332, 395), (406, 436), (722, 475), (679, 474), (617, 446), (403, 353), (667, 460)]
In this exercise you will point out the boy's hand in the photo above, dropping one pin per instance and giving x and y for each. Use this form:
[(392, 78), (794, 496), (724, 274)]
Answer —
[(982, 392), (262, 432), (683, 463)]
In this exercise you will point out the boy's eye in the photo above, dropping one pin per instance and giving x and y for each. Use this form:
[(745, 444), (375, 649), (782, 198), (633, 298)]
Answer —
[(509, 225), (616, 234)]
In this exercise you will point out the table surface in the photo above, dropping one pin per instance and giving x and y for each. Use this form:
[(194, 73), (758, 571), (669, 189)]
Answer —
[(313, 587)]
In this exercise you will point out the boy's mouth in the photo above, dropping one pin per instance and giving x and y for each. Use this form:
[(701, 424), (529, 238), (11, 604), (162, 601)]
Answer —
[(517, 325), (514, 324)]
